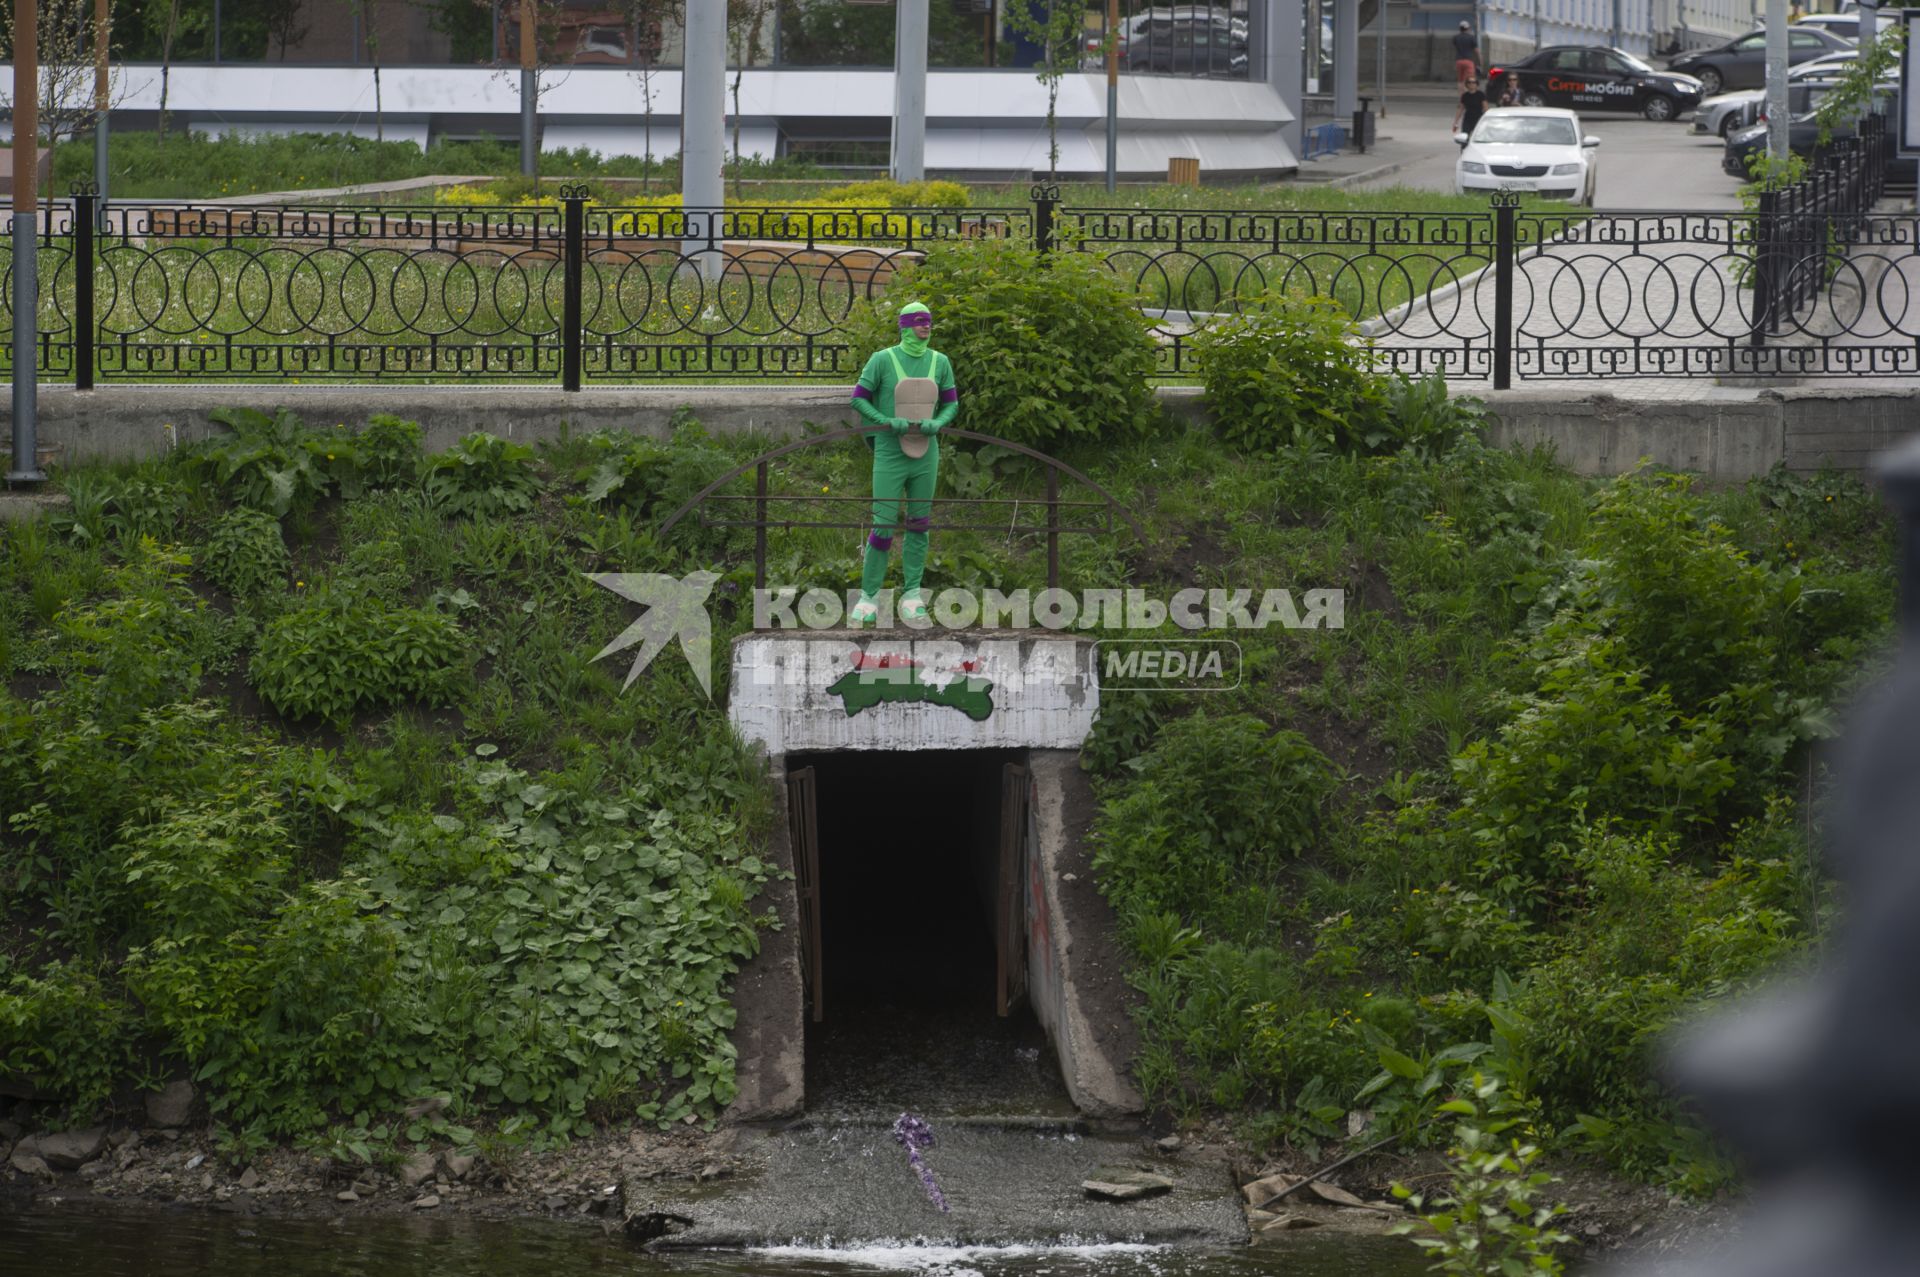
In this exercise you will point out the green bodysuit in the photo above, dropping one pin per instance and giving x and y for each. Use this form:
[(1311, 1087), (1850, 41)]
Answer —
[(896, 475)]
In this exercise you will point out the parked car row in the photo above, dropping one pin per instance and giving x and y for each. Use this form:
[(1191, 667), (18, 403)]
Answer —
[(1729, 112), (1803, 134)]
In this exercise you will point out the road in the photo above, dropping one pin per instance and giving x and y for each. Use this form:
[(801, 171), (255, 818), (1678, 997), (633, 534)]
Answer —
[(1643, 165)]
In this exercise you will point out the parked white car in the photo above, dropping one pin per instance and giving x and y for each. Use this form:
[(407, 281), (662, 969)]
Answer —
[(1535, 149)]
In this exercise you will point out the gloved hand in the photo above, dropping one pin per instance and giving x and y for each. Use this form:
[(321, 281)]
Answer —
[(900, 425), (930, 427)]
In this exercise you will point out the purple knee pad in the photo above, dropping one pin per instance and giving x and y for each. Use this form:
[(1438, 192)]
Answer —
[(878, 542), (919, 525)]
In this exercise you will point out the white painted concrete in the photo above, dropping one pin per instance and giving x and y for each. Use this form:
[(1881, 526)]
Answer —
[(976, 120), (1043, 692)]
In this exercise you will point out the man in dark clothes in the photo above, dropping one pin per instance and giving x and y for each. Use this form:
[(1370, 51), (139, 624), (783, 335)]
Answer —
[(1466, 55), (1473, 105)]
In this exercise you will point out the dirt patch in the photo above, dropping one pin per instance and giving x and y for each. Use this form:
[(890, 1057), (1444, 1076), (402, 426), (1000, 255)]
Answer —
[(1375, 592)]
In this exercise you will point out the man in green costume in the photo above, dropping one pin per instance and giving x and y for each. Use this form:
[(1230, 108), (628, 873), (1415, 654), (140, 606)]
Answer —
[(909, 389)]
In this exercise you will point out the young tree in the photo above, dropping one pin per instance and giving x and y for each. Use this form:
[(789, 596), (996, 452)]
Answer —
[(646, 20), (65, 45), (282, 21), (368, 12), (169, 30), (1057, 26), (745, 18)]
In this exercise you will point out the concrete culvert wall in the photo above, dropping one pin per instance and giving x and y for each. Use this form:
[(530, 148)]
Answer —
[(911, 819)]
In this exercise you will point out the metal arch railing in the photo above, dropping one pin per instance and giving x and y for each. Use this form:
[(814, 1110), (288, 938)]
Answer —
[(1053, 529)]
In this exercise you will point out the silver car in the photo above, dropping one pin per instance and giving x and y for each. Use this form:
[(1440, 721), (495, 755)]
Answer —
[(1728, 113)]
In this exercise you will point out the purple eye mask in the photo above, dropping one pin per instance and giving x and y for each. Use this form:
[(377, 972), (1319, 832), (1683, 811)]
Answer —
[(916, 320)]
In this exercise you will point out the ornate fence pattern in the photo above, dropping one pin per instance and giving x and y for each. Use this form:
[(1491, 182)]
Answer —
[(576, 293)]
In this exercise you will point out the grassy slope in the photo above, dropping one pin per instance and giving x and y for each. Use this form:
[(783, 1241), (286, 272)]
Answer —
[(405, 843)]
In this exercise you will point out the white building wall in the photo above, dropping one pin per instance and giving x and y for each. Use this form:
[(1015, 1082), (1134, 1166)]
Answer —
[(977, 120)]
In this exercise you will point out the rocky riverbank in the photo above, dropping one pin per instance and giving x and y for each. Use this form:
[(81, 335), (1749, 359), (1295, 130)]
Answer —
[(723, 1186)]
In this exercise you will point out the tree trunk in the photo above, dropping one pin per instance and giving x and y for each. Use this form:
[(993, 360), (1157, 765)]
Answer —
[(166, 61)]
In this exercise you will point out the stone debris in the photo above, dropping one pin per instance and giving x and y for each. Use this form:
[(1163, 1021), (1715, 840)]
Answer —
[(1168, 1144), (418, 1169), (428, 1202), (171, 1105), (1262, 1191), (1122, 1185), (249, 1179), (346, 1195), (70, 1150), (642, 1218), (459, 1165)]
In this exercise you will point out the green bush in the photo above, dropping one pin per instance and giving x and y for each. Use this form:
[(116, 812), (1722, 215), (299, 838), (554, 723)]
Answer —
[(1287, 370), (342, 651), (65, 1033), (1218, 801), (273, 462), (886, 193), (483, 476), (1045, 349), (245, 553)]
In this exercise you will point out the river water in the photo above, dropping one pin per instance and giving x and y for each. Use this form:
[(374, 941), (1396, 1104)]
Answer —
[(92, 1242)]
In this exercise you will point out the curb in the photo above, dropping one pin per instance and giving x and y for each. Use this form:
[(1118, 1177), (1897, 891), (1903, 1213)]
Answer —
[(1368, 175)]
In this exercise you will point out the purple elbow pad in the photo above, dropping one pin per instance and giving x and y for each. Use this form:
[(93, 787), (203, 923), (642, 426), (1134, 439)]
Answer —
[(861, 392), (878, 542), (919, 525), (950, 395)]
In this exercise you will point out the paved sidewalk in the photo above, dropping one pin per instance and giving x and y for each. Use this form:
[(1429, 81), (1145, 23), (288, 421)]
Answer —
[(1416, 116)]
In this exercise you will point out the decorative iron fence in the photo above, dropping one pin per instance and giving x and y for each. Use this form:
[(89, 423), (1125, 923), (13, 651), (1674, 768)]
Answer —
[(576, 293)]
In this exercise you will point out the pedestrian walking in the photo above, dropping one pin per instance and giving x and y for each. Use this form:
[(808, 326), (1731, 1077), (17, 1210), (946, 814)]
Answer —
[(1473, 105), (1466, 55)]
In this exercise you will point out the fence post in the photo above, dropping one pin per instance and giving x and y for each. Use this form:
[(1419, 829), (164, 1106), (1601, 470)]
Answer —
[(86, 200), (1053, 528), (1766, 220), (573, 265), (1504, 208), (760, 526), (1045, 200)]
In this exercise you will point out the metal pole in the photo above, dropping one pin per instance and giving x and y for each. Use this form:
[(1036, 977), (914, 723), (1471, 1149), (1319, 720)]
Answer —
[(1504, 208), (573, 267), (1869, 32), (703, 135), (910, 91), (85, 215), (1287, 63), (1113, 95), (26, 287), (1777, 79), (102, 105), (1616, 24), (216, 32), (1346, 58), (529, 90), (1380, 56)]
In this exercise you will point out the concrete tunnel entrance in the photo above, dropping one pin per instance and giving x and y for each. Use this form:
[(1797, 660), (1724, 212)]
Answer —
[(941, 883), (914, 931)]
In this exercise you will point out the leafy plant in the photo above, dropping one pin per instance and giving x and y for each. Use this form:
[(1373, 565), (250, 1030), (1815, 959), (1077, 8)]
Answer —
[(389, 451), (342, 651), (245, 553), (1046, 349), (1492, 1219), (272, 463), (483, 476), (1290, 370)]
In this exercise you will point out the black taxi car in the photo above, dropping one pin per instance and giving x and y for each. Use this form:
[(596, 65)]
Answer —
[(1584, 78)]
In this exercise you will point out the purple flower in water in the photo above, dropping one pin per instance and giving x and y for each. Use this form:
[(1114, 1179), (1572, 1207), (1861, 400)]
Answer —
[(912, 1133)]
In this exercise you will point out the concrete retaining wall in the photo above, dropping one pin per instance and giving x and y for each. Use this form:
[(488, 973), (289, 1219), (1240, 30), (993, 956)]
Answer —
[(1726, 434)]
